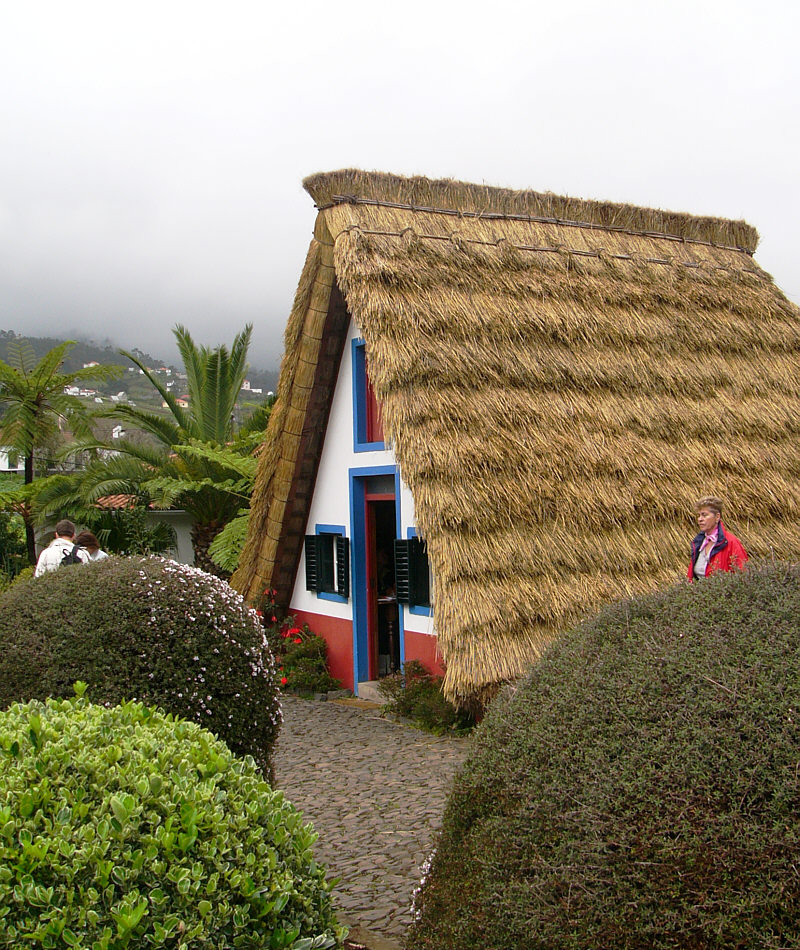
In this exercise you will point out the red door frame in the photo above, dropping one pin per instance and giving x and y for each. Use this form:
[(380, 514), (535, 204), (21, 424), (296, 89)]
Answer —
[(372, 576)]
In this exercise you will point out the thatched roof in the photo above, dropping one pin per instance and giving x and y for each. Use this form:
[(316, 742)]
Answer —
[(560, 380)]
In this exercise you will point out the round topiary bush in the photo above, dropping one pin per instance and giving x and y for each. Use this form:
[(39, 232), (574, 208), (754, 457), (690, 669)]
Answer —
[(124, 827), (640, 789), (149, 629)]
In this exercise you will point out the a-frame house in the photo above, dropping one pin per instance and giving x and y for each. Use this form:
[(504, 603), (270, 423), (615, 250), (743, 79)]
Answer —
[(495, 411)]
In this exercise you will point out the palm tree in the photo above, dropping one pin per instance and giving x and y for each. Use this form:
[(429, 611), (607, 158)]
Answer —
[(213, 379), (188, 463), (35, 406)]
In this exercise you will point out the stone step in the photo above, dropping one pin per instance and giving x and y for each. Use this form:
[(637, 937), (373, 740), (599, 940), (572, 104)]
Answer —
[(369, 690)]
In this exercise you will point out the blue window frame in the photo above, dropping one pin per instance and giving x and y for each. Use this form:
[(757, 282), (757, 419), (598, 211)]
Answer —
[(367, 427), (327, 555)]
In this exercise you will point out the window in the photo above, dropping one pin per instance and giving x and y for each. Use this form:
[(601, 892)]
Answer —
[(328, 563), (412, 572), (367, 422)]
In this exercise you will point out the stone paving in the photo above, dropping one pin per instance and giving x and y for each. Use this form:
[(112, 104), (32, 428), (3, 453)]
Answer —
[(374, 789)]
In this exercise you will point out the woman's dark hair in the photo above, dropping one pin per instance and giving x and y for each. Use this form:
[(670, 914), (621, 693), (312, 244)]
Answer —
[(87, 540)]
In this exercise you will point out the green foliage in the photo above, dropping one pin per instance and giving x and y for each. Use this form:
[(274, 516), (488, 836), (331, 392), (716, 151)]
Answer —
[(214, 381), (640, 788), (196, 463), (416, 694), (127, 531), (149, 629), (34, 405), (302, 658), (138, 388), (119, 531), (125, 827), (33, 398), (13, 554), (26, 574), (227, 546)]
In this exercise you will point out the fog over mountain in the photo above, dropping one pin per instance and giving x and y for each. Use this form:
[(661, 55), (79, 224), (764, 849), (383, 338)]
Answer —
[(151, 157)]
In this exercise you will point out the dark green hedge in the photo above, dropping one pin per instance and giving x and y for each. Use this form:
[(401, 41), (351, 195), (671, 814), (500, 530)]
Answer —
[(148, 629), (641, 789)]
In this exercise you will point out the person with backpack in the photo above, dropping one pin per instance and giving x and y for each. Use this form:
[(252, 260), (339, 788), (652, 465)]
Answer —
[(61, 551)]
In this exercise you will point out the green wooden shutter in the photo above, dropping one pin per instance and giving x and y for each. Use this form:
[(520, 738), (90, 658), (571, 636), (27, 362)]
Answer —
[(411, 572), (312, 561), (420, 571), (342, 566), (403, 573)]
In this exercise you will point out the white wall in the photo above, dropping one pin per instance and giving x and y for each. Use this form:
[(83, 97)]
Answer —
[(331, 501), (6, 466), (182, 523)]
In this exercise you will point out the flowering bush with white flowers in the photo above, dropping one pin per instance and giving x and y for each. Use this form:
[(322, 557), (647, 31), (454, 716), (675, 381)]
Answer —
[(148, 629)]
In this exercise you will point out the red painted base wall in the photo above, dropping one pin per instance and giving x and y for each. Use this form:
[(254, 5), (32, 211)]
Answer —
[(338, 634), (422, 647)]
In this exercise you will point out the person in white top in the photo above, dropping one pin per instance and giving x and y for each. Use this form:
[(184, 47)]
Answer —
[(63, 543), (91, 545)]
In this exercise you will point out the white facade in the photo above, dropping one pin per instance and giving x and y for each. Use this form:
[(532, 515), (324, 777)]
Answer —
[(5, 461), (333, 501)]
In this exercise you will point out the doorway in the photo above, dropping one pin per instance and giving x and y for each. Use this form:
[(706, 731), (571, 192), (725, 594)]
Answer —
[(382, 612), (378, 648)]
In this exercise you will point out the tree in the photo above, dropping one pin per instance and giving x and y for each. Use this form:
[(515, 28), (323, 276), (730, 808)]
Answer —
[(213, 379), (13, 551), (195, 462), (35, 406)]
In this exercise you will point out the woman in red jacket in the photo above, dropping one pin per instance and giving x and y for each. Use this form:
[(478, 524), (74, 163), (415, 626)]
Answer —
[(714, 548)]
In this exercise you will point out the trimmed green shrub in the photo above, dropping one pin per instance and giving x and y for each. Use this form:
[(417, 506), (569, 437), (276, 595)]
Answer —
[(124, 827), (640, 789), (148, 629), (416, 694)]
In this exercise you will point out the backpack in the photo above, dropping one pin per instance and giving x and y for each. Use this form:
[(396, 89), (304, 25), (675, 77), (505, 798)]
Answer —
[(71, 557)]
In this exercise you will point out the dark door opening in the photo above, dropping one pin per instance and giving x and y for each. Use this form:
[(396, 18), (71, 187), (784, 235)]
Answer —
[(384, 627)]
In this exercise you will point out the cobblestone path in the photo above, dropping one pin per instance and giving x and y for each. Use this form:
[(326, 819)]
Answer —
[(374, 790)]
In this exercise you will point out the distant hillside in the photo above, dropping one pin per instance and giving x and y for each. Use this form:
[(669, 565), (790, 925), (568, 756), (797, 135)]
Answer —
[(87, 351)]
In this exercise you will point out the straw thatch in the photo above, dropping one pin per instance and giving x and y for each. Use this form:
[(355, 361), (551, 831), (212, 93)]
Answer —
[(559, 378)]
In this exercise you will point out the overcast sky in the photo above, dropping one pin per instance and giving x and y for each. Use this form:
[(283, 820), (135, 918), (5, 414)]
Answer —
[(151, 154)]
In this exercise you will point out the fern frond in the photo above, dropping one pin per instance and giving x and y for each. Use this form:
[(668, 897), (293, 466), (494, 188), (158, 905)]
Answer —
[(226, 548)]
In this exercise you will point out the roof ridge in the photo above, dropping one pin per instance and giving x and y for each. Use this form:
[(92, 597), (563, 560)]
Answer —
[(533, 219), (480, 201)]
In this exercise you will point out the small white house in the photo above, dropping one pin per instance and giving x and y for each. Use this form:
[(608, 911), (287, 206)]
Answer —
[(10, 461)]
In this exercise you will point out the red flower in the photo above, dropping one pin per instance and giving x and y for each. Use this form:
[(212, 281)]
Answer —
[(284, 680), (274, 619), (295, 632), (286, 634), (297, 640), (260, 613)]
